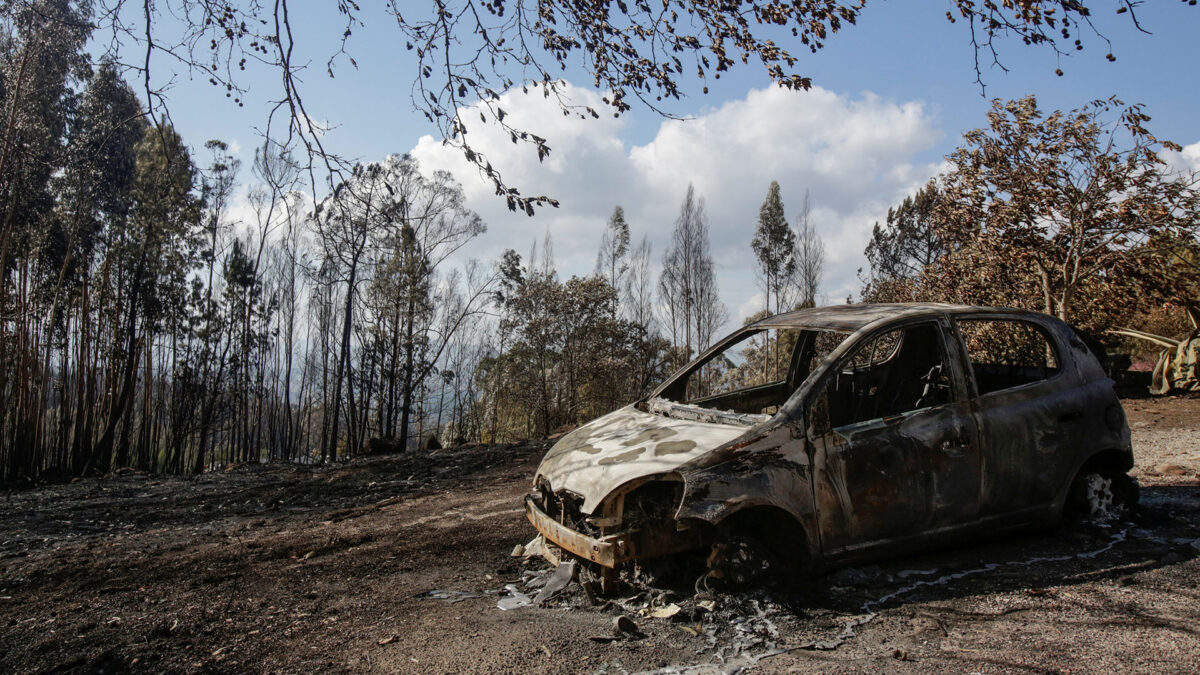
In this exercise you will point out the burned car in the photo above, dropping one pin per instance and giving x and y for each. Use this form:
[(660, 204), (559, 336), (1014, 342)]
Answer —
[(827, 436)]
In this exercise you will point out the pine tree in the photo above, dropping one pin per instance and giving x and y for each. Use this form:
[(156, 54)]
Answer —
[(904, 246)]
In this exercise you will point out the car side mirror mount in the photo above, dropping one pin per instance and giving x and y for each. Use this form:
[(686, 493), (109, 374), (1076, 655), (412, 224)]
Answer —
[(798, 425)]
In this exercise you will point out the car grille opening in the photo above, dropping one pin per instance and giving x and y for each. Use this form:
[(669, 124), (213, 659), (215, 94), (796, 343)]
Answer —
[(652, 504), (564, 507)]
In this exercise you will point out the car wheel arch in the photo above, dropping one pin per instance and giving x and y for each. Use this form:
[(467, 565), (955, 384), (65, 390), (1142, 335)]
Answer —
[(1115, 460), (777, 527)]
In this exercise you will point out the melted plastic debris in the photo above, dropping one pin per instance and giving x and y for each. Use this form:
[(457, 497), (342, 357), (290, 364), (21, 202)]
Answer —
[(740, 633), (665, 612), (450, 595), (515, 598), (561, 586), (563, 575)]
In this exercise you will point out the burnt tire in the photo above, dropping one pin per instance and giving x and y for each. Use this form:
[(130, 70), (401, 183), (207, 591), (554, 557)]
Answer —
[(741, 561), (1099, 497)]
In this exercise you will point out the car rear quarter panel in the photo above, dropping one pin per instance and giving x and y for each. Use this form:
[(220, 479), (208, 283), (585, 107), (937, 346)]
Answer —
[(1035, 437), (1103, 424)]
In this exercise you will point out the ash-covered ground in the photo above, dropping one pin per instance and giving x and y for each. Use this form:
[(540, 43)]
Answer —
[(397, 564)]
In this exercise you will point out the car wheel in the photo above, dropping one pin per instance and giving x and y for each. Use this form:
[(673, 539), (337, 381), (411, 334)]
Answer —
[(1102, 496), (741, 562)]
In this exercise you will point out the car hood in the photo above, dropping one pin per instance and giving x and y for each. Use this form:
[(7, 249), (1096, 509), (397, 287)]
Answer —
[(624, 445)]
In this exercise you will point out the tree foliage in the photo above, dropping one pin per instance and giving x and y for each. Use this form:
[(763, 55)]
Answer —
[(41, 58), (142, 325), (810, 257), (571, 358), (612, 260), (392, 225), (1071, 213), (1076, 198), (465, 53), (903, 247)]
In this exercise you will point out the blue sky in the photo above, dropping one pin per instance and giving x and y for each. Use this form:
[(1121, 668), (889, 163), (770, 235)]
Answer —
[(892, 96)]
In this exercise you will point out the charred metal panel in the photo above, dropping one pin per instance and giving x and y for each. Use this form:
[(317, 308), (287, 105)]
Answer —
[(853, 317), (1030, 432), (626, 445), (1037, 434), (896, 477), (575, 543), (771, 470)]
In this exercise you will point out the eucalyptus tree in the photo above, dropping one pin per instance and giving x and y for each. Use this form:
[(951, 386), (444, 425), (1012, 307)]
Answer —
[(638, 308), (211, 354), (145, 273), (687, 284), (278, 206), (95, 192), (344, 222), (809, 256), (41, 57), (612, 260), (774, 246), (396, 227), (41, 62)]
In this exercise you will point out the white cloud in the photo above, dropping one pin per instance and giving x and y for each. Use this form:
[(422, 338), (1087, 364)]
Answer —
[(855, 156), (750, 306), (1185, 161)]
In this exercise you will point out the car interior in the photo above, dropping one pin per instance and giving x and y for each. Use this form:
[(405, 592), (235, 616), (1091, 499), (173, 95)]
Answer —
[(894, 373), (1006, 353)]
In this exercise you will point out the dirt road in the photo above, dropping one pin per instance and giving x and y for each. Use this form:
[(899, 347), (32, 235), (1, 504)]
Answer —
[(288, 569)]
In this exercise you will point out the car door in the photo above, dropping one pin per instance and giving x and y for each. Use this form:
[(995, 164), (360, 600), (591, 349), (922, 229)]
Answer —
[(1028, 408), (895, 451)]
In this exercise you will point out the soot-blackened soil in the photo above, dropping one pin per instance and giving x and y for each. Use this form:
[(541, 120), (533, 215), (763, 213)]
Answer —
[(299, 569)]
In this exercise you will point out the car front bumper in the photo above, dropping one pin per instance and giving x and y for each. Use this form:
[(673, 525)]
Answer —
[(614, 549)]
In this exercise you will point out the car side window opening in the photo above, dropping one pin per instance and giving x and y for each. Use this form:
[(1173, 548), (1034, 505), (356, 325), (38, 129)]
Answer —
[(894, 373), (1006, 353)]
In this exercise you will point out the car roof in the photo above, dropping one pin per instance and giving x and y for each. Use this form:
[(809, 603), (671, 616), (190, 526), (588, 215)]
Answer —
[(850, 318)]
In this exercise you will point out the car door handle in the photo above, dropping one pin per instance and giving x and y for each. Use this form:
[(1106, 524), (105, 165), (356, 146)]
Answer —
[(1071, 416)]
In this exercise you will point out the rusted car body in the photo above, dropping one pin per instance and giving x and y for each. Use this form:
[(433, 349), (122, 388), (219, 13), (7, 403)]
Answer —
[(837, 434)]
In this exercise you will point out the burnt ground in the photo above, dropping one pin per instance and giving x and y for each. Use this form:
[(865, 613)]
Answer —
[(287, 569)]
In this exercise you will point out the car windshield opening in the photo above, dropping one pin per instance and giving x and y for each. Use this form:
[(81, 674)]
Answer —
[(751, 378)]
